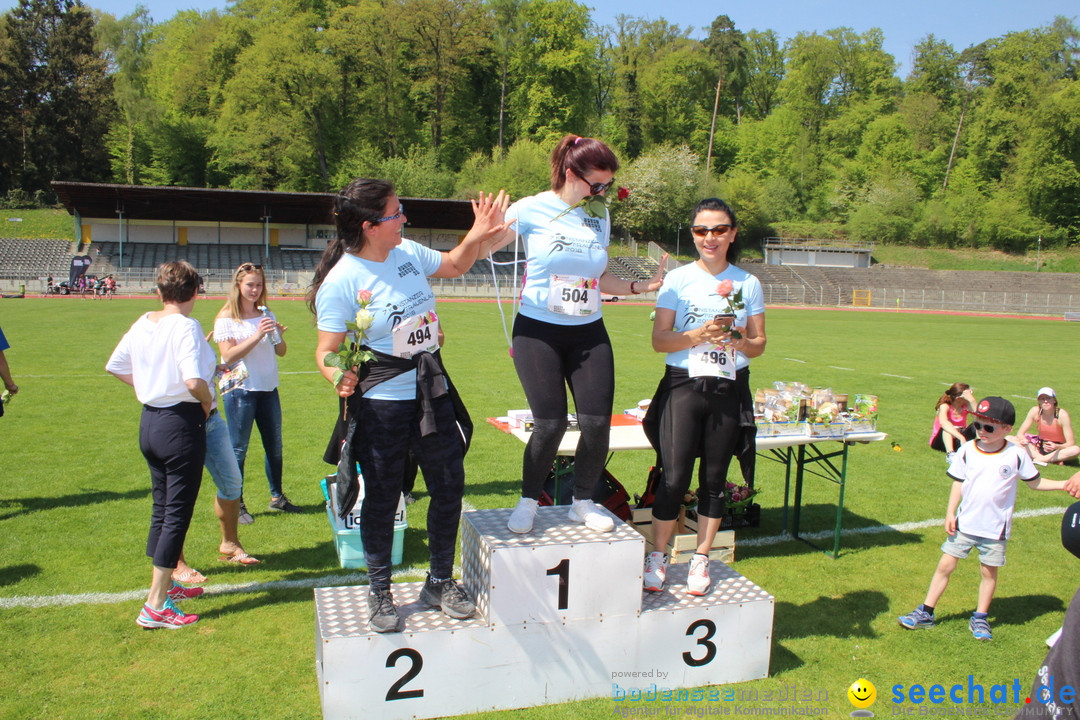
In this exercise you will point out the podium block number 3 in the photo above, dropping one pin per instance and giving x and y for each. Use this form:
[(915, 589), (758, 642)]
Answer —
[(704, 641), (395, 692), (563, 571)]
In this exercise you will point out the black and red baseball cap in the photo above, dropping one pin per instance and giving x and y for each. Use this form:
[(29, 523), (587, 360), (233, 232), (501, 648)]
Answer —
[(997, 409)]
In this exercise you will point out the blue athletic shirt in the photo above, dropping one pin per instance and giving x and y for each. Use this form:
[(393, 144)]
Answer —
[(399, 290), (691, 292), (575, 244)]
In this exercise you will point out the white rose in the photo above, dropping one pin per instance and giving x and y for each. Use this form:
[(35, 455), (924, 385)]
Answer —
[(364, 318)]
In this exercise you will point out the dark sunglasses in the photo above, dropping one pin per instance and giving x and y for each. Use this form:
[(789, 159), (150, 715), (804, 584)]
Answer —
[(702, 231), (248, 267), (986, 427), (597, 188)]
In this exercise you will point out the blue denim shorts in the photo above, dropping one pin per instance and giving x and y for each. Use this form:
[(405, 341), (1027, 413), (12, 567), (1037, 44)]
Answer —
[(991, 552)]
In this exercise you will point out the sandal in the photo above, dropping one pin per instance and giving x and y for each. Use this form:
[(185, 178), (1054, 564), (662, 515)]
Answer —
[(240, 558), (190, 576)]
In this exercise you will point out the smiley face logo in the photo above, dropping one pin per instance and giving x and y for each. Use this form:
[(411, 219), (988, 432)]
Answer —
[(862, 693)]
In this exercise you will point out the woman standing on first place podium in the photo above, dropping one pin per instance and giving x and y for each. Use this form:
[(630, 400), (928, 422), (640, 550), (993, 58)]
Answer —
[(710, 320), (559, 335), (405, 397)]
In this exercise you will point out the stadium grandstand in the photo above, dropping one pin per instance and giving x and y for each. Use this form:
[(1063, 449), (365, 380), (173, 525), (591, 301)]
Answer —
[(127, 231)]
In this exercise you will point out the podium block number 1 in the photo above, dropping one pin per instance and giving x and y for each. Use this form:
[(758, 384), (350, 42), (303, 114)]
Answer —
[(563, 571)]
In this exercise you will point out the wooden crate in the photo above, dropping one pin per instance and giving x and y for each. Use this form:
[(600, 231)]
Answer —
[(683, 543)]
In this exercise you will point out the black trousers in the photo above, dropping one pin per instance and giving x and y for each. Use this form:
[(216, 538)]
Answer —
[(173, 441)]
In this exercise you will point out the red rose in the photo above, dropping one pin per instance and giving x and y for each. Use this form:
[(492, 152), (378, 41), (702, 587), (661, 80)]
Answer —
[(624, 193)]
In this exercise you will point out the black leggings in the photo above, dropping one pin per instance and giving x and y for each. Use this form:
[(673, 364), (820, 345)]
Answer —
[(693, 422), (938, 443), (548, 358)]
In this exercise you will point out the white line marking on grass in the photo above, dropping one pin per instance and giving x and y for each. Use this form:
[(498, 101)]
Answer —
[(40, 601), (878, 529), (837, 367), (795, 360), (902, 377)]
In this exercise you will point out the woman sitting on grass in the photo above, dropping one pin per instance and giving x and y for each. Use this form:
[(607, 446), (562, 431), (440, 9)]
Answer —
[(1054, 441), (951, 429)]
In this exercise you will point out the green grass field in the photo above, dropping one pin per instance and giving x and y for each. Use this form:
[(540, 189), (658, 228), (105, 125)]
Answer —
[(74, 504)]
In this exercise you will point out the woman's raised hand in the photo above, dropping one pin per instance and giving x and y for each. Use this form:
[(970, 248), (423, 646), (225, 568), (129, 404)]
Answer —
[(657, 280), (489, 213)]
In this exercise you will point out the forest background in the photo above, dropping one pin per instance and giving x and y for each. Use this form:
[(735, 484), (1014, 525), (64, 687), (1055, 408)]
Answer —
[(809, 136)]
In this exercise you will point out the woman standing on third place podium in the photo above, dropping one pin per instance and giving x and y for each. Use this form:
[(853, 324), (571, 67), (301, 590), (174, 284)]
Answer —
[(559, 336), (704, 400)]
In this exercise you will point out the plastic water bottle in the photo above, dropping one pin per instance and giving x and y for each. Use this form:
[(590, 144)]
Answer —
[(274, 336)]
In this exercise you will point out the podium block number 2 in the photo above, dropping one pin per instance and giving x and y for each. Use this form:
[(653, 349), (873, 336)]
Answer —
[(395, 692), (563, 571), (704, 641)]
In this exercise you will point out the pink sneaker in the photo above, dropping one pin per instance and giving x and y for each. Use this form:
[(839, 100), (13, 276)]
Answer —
[(178, 592), (169, 617)]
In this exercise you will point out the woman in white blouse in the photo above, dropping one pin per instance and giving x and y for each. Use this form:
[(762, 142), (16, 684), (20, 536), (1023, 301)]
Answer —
[(166, 358), (246, 337)]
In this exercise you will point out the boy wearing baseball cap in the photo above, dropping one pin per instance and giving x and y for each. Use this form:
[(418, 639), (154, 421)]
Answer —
[(985, 473)]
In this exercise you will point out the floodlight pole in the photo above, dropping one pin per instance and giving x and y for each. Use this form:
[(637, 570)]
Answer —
[(1038, 255), (678, 230), (120, 232)]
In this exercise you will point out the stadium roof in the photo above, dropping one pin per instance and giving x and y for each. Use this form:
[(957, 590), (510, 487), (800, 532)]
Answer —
[(145, 202)]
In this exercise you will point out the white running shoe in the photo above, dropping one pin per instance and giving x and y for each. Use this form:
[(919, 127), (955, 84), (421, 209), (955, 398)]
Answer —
[(655, 571), (521, 520), (585, 511), (697, 580)]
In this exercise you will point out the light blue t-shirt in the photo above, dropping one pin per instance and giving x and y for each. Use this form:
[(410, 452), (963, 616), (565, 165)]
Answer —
[(399, 290), (692, 293), (575, 244)]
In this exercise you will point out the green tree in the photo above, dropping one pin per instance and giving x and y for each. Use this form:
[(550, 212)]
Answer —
[(725, 45), (55, 97), (551, 71), (445, 37), (126, 46), (278, 124), (663, 184), (764, 71)]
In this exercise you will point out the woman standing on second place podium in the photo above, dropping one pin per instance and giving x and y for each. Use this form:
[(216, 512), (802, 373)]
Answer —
[(559, 335), (704, 398)]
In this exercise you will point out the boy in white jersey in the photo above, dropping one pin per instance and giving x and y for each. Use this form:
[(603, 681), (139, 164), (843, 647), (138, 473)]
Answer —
[(979, 515)]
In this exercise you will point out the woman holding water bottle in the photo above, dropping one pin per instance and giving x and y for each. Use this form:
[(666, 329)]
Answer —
[(250, 340)]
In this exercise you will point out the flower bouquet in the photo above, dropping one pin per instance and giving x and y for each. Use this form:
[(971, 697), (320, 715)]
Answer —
[(741, 510), (350, 355)]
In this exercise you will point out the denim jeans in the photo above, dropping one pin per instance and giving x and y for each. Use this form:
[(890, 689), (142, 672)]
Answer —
[(242, 409), (221, 460)]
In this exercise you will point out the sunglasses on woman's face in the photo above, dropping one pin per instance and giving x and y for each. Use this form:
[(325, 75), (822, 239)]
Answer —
[(596, 188), (986, 427), (701, 231)]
